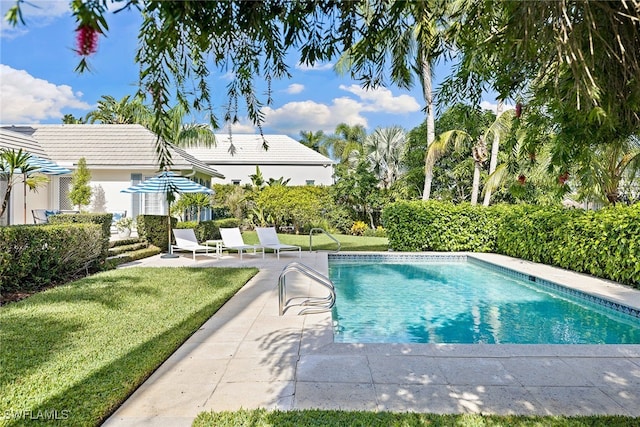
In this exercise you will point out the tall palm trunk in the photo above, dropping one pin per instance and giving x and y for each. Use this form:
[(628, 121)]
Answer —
[(479, 153), (493, 163), (431, 128)]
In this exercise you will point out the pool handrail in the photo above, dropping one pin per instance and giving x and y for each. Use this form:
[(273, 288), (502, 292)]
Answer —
[(328, 235), (317, 304)]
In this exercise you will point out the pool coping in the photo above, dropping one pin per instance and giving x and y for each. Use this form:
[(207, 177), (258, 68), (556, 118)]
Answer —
[(246, 356)]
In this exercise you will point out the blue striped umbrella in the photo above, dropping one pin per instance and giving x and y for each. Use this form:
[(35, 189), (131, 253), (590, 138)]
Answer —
[(43, 166), (169, 183), (46, 167)]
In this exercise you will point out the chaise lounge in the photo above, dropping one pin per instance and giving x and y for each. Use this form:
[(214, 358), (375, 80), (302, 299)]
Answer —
[(269, 239), (186, 240), (232, 239)]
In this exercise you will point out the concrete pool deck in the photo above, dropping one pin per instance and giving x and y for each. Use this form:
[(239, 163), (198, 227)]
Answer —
[(246, 356)]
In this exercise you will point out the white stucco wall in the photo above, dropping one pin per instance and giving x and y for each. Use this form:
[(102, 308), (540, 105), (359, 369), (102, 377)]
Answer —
[(299, 174)]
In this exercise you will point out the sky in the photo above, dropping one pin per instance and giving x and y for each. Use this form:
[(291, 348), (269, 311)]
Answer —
[(38, 83)]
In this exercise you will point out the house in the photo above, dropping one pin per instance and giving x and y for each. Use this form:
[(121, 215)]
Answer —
[(285, 157), (117, 156)]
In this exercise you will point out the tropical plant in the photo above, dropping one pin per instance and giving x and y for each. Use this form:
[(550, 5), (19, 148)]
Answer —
[(257, 180), (191, 205), (500, 127), (125, 111), (15, 165), (346, 142), (315, 141), (384, 149), (80, 194)]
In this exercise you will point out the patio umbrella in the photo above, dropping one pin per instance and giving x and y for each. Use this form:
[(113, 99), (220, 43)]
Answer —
[(44, 166), (168, 183)]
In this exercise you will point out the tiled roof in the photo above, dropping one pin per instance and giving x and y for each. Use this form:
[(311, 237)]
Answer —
[(282, 150), (108, 146), (16, 140)]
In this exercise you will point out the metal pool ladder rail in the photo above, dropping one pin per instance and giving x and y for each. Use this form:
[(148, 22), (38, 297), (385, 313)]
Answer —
[(328, 235), (312, 304)]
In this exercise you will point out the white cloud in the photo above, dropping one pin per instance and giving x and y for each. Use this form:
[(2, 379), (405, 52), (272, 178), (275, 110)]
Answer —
[(382, 100), (26, 99), (294, 88), (243, 125), (492, 106), (293, 117), (316, 67), (36, 13)]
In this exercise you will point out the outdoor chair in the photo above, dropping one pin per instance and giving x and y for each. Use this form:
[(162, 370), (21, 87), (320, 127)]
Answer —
[(232, 239), (269, 239), (40, 216), (186, 241)]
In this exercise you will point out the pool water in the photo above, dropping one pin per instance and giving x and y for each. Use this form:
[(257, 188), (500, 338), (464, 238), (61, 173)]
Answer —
[(463, 302)]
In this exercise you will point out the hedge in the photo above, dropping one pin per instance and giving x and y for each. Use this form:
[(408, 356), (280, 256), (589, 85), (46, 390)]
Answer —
[(153, 228), (33, 257), (209, 230), (602, 243)]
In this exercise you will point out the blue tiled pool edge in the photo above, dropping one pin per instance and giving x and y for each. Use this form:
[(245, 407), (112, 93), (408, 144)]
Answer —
[(447, 257)]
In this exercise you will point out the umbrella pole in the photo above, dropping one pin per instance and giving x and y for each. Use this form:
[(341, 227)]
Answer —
[(24, 181), (169, 253)]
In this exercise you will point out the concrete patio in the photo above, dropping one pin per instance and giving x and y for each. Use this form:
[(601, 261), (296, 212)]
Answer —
[(246, 356)]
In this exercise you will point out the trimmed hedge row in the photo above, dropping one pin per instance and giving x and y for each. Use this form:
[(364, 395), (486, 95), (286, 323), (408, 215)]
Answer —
[(153, 228), (437, 226), (33, 257), (604, 243)]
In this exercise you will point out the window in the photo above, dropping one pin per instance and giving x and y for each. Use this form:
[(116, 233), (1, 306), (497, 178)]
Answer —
[(235, 181), (65, 189), (310, 182)]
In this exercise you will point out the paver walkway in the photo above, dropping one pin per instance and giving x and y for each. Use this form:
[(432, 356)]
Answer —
[(246, 356)]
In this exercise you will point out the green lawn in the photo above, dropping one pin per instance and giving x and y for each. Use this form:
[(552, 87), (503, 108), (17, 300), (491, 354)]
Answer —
[(264, 418), (322, 242), (82, 348)]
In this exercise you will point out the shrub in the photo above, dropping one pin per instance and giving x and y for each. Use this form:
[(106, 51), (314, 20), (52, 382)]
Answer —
[(102, 219), (358, 228), (378, 232), (33, 257), (154, 229), (209, 230), (440, 226)]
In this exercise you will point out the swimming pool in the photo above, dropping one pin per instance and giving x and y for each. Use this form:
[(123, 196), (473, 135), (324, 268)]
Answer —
[(457, 299)]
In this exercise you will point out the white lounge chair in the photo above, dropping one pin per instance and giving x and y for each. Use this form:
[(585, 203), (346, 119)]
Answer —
[(186, 240), (269, 239), (232, 239)]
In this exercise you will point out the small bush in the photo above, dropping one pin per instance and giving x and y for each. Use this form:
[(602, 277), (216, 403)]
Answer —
[(358, 228), (378, 232), (154, 229)]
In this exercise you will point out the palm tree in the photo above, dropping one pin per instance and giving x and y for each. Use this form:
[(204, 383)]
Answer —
[(493, 163), (384, 150), (500, 127), (604, 170), (346, 142), (315, 141), (15, 164), (413, 45), (125, 111)]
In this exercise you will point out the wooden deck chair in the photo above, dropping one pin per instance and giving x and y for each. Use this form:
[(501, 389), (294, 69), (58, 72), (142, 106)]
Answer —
[(186, 241), (269, 239), (232, 239)]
